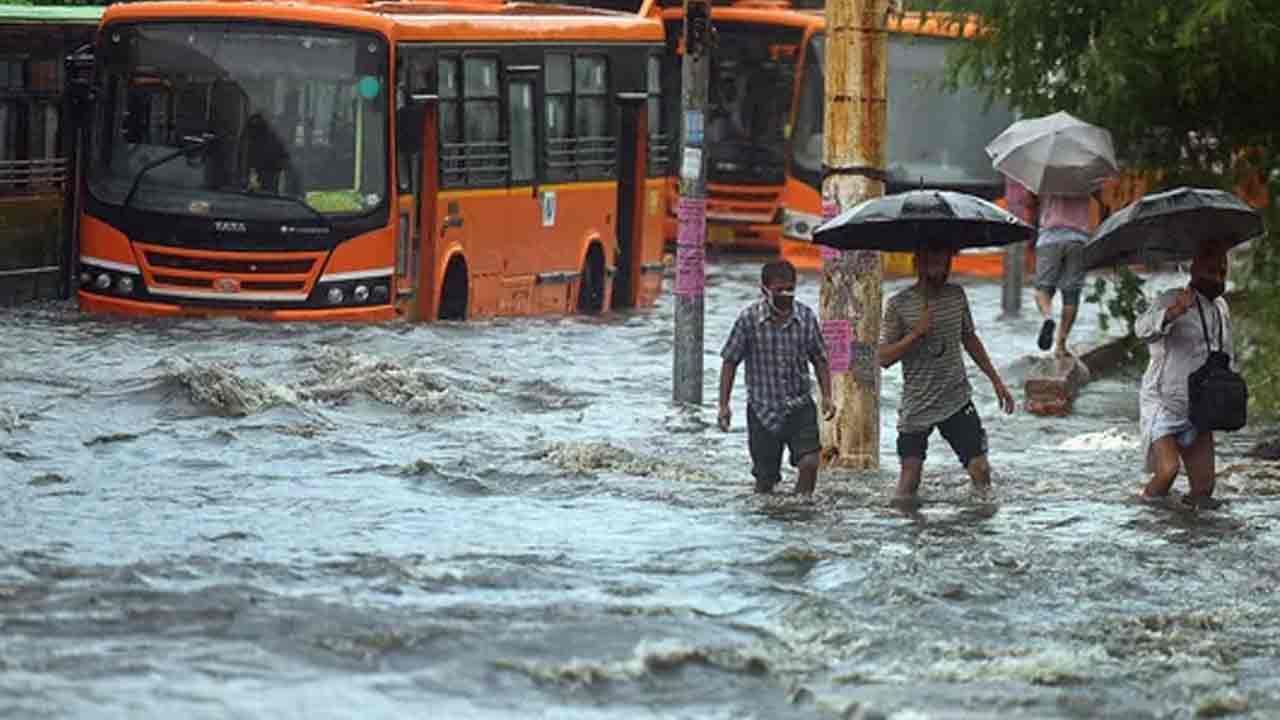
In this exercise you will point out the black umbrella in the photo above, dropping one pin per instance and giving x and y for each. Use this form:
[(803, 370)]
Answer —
[(1170, 226), (904, 221)]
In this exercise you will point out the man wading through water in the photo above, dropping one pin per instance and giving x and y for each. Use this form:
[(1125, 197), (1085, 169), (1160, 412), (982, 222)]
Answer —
[(778, 337), (925, 325)]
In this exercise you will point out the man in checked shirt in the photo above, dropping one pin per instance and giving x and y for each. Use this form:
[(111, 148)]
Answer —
[(778, 337)]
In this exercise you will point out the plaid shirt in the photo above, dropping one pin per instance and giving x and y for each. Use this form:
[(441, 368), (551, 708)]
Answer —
[(777, 357)]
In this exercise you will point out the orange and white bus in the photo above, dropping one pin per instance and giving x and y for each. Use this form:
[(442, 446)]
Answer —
[(936, 138), (363, 161), (764, 121), (750, 103)]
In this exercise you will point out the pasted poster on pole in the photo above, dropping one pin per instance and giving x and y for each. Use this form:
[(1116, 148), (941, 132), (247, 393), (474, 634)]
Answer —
[(866, 261), (837, 336), (863, 363), (691, 165), (829, 210), (690, 246)]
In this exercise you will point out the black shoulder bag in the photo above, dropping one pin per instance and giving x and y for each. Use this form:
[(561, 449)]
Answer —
[(1219, 397)]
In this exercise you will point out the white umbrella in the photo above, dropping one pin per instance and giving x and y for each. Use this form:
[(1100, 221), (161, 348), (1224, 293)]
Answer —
[(1057, 153)]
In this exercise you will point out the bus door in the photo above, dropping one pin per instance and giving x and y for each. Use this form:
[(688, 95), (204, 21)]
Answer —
[(532, 206), (417, 181), (633, 151)]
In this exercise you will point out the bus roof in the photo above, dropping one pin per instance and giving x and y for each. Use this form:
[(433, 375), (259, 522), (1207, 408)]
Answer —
[(449, 20), (50, 14), (801, 13)]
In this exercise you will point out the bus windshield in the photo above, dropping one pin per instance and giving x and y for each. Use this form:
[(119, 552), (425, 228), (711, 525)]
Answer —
[(935, 137), (288, 122), (748, 102)]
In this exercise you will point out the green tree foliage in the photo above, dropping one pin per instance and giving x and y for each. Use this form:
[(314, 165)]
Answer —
[(1183, 87), (1186, 89)]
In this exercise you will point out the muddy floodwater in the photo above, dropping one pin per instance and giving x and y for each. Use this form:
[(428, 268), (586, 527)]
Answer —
[(510, 519)]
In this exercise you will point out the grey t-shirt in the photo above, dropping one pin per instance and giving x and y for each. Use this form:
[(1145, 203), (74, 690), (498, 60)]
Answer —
[(935, 384)]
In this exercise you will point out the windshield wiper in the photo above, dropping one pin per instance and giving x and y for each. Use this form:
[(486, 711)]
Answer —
[(293, 199), (194, 144)]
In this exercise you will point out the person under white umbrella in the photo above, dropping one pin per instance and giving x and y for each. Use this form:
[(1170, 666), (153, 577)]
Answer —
[(1060, 159)]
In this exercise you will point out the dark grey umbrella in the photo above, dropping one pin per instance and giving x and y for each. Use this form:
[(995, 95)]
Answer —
[(1169, 226), (904, 221)]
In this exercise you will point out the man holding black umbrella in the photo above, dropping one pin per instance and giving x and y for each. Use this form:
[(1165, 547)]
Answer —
[(925, 326)]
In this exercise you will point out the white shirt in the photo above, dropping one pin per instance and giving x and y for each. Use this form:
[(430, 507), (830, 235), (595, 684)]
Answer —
[(1177, 349)]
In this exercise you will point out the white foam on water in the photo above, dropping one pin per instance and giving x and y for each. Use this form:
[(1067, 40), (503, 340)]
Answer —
[(339, 375), (1109, 439), (597, 457), (650, 657), (220, 386)]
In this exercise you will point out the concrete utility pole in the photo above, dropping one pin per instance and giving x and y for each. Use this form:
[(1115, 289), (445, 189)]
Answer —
[(1015, 255), (854, 151), (692, 213)]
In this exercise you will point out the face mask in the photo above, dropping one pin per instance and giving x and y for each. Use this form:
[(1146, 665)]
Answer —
[(1208, 287), (781, 301)]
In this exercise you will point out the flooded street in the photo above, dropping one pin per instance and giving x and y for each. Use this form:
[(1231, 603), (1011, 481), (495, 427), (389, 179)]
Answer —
[(510, 519)]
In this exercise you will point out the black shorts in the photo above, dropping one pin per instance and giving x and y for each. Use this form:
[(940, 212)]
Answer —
[(799, 433), (963, 431)]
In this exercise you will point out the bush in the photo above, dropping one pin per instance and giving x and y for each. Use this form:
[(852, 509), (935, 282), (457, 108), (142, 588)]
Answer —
[(1124, 303)]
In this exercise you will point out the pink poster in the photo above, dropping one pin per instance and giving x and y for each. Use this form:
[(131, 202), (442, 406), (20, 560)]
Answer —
[(837, 336), (829, 209), (690, 252), (692, 216)]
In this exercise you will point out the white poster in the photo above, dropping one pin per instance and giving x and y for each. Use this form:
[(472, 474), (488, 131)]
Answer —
[(692, 164), (548, 209)]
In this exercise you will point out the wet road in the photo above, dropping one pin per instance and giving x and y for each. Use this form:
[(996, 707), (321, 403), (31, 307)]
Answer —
[(510, 520)]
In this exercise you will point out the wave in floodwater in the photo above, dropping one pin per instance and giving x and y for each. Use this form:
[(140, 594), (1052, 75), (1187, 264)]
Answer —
[(511, 519)]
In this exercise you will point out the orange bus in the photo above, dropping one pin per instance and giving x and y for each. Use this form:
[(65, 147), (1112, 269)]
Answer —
[(936, 138), (364, 161), (750, 98), (765, 114)]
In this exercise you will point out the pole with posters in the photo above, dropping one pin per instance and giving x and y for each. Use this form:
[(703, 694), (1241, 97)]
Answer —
[(692, 211), (854, 157)]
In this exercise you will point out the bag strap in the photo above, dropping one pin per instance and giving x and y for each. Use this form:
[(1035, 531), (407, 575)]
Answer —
[(1204, 327)]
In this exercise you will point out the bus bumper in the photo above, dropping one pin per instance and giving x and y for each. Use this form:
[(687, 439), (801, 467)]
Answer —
[(106, 305)]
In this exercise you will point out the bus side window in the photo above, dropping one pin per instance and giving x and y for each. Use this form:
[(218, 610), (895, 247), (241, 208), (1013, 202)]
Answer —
[(452, 172), (657, 139), (559, 105), (415, 75), (486, 161), (596, 154), (520, 109)]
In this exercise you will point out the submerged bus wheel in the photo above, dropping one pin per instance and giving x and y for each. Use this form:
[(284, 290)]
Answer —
[(453, 298), (591, 293)]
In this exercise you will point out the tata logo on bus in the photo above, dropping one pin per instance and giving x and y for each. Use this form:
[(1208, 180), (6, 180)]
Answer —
[(229, 226), (226, 285)]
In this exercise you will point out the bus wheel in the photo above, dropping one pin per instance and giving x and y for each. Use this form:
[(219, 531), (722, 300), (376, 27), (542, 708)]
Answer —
[(591, 292), (453, 298)]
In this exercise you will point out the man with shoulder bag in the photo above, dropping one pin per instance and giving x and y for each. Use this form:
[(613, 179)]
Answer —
[(1190, 388)]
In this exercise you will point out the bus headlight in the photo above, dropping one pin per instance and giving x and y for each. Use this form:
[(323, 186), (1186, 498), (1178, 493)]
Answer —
[(125, 285), (102, 282), (798, 225), (374, 290)]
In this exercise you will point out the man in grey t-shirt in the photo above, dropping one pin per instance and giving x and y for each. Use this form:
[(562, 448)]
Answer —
[(925, 326)]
